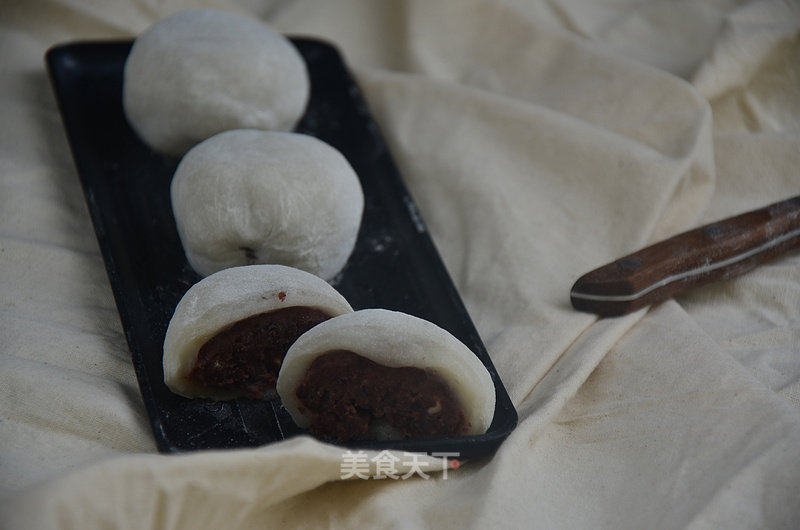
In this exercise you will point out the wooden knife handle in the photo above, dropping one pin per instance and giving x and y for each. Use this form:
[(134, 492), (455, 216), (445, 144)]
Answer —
[(712, 252)]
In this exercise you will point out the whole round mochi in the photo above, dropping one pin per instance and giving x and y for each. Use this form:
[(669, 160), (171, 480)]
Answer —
[(392, 339), (222, 299), (203, 71), (249, 196)]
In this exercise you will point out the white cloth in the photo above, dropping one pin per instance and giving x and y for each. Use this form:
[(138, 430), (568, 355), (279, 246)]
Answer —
[(540, 139)]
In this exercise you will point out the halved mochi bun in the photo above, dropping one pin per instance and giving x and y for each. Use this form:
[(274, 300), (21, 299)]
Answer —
[(199, 72), (230, 331), (382, 374), (247, 196)]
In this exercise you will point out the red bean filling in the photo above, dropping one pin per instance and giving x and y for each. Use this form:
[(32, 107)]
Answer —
[(345, 392), (247, 356)]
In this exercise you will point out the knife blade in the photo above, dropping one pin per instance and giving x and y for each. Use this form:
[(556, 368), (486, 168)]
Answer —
[(709, 253)]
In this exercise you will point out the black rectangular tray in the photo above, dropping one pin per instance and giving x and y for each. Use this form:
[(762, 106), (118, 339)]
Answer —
[(394, 264)]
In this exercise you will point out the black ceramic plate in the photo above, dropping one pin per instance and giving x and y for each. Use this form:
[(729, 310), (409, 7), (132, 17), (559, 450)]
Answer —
[(394, 265)]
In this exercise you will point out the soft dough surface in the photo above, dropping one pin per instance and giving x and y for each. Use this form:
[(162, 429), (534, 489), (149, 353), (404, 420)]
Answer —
[(393, 339), (228, 296), (203, 71), (249, 196)]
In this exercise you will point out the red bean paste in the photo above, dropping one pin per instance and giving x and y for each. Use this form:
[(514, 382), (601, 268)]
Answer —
[(344, 392), (247, 356)]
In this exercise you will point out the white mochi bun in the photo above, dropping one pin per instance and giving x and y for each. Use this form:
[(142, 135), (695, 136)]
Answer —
[(203, 71), (222, 299), (392, 339), (250, 196)]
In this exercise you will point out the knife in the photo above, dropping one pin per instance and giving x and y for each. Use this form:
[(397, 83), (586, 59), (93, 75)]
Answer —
[(712, 252)]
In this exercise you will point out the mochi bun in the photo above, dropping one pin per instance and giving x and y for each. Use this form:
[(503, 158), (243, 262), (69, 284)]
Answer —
[(219, 301), (250, 196), (392, 339), (203, 71)]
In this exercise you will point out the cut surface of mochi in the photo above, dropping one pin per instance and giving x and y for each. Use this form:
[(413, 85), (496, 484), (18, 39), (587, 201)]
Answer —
[(229, 333), (379, 374)]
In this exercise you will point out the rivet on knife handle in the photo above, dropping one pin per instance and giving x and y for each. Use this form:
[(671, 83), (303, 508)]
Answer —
[(712, 252)]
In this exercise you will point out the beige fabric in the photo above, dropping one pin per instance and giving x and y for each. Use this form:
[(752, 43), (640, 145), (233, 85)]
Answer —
[(541, 139)]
